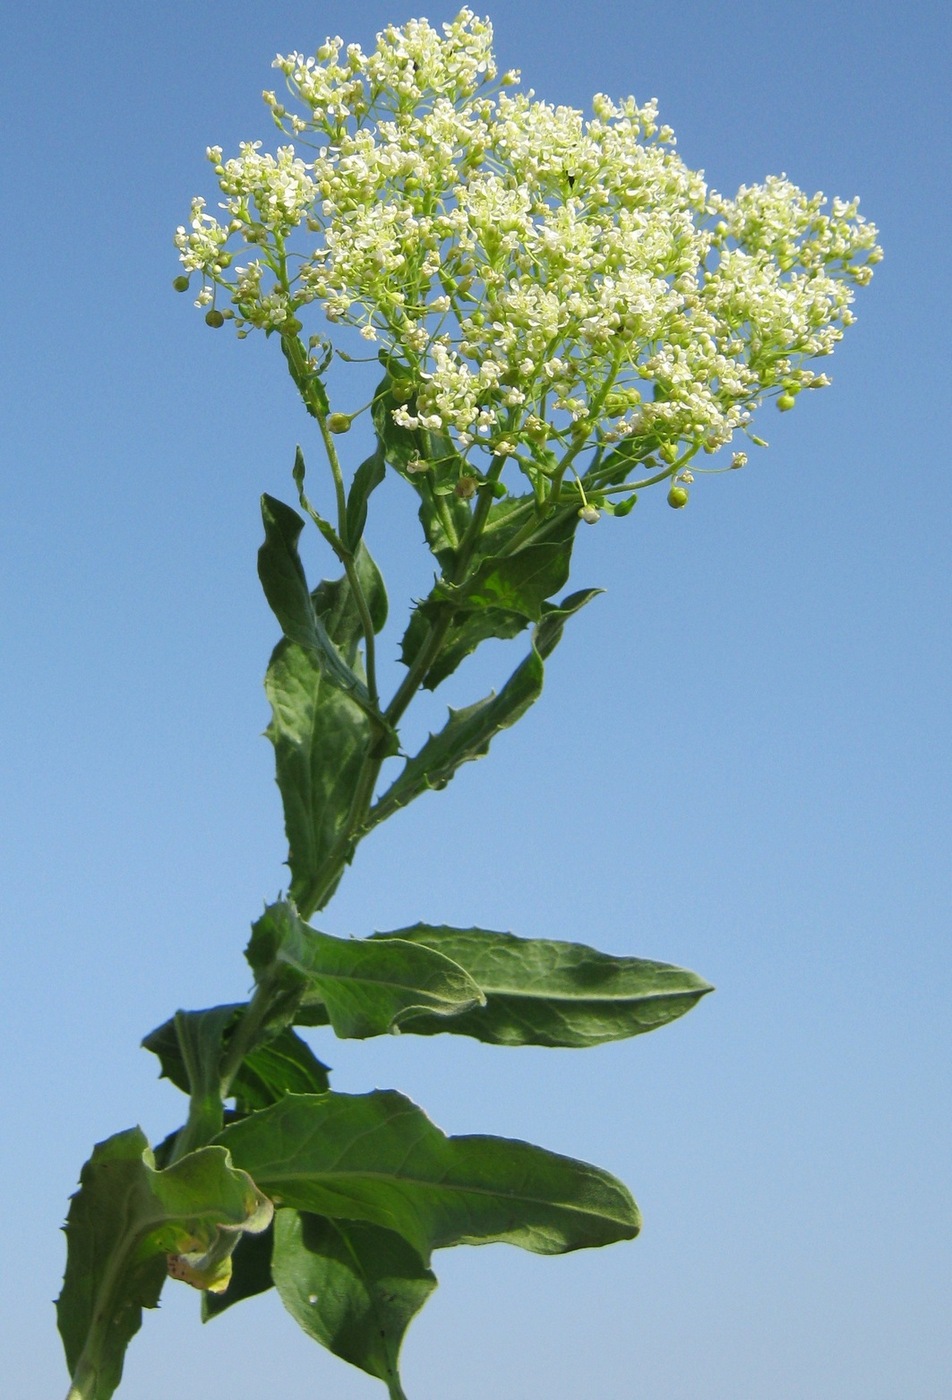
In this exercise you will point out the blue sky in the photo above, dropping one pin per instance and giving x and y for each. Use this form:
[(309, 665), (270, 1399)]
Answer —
[(740, 763)]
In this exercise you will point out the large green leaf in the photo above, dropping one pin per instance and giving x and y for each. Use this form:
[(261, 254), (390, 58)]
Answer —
[(352, 1286), (361, 987), (128, 1225), (378, 1158), (540, 991), (470, 730), (321, 731), (321, 737)]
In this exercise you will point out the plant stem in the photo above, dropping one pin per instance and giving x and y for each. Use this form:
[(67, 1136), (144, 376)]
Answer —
[(355, 826)]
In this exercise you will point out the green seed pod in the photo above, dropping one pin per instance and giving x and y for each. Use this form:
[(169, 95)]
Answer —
[(785, 402), (668, 452), (180, 284), (677, 497), (214, 319), (339, 422)]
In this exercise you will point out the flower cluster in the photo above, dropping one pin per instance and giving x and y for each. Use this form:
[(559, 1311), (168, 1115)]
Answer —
[(532, 277)]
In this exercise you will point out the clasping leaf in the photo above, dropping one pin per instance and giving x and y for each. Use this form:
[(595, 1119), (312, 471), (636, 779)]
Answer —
[(362, 987), (124, 1222)]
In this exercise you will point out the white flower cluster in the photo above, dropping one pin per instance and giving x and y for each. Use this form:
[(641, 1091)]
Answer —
[(531, 276)]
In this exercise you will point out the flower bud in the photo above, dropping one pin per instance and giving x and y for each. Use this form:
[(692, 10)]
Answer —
[(402, 390), (214, 319), (589, 514), (339, 422), (180, 284), (677, 497)]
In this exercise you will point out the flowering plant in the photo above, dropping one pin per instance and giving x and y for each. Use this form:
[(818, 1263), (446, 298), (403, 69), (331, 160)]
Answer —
[(564, 314)]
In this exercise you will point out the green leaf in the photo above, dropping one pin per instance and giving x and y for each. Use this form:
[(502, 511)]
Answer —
[(540, 991), (464, 635), (285, 587), (470, 731), (503, 594), (321, 737), (352, 1286), (250, 1274), (281, 1063), (189, 1045), (124, 1223), (322, 734), (367, 478), (334, 603), (377, 1157), (361, 987)]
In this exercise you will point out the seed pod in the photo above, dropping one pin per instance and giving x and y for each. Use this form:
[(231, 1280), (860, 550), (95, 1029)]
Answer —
[(180, 284), (214, 319), (466, 488), (785, 402), (339, 422), (677, 497)]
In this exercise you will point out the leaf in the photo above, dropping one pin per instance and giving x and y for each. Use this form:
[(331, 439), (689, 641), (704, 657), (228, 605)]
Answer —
[(367, 478), (503, 594), (190, 1042), (321, 734), (285, 587), (282, 1063), (250, 1274), (470, 730), (464, 635), (123, 1223), (362, 988), (541, 991), (334, 603), (321, 737), (353, 1287), (377, 1157)]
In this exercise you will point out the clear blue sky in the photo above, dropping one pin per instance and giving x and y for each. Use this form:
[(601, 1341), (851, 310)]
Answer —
[(740, 764)]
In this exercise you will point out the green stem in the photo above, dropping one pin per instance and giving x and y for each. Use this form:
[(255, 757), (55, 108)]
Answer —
[(314, 397), (355, 827), (440, 625), (244, 1036)]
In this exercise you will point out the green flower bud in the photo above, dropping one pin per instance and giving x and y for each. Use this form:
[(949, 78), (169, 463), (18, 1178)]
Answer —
[(402, 390), (180, 284), (589, 514), (668, 452), (214, 319), (677, 497), (339, 422)]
